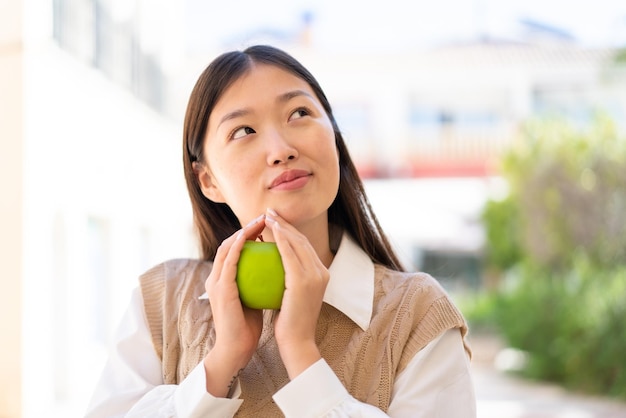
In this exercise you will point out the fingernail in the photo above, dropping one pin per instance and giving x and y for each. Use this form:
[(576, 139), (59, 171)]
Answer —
[(270, 219), (271, 211), (239, 235), (255, 220)]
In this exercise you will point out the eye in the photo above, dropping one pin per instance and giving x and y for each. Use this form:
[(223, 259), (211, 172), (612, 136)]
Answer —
[(241, 132), (299, 113)]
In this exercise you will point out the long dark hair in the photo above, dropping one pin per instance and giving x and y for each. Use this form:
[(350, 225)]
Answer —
[(215, 221)]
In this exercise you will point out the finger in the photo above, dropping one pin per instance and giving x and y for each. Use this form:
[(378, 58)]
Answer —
[(300, 246), (288, 256), (223, 254), (298, 256), (248, 232), (254, 227), (286, 238)]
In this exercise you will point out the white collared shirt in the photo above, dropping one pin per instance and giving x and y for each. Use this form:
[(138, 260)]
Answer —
[(436, 382)]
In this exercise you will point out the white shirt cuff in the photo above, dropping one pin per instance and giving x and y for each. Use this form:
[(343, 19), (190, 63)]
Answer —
[(192, 400), (314, 392)]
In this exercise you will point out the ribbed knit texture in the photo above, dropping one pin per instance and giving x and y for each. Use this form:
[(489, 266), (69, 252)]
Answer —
[(409, 311)]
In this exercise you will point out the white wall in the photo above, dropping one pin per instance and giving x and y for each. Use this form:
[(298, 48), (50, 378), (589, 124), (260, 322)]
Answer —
[(104, 199), (11, 204)]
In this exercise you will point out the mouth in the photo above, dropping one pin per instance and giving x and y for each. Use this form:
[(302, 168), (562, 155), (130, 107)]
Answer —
[(290, 177)]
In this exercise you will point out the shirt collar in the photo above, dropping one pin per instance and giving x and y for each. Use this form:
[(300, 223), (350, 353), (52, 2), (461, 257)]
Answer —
[(351, 285)]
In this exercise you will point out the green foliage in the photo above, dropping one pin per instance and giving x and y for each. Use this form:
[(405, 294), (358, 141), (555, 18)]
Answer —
[(572, 329), (560, 236), (568, 186), (620, 56), (501, 220), (479, 310)]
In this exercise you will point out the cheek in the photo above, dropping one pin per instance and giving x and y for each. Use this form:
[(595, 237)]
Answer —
[(232, 180), (325, 143), (329, 155), (236, 182)]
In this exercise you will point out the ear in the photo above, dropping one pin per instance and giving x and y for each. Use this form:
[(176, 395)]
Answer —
[(208, 187)]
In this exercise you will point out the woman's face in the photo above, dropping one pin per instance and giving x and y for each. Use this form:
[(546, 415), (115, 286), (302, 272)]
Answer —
[(270, 144)]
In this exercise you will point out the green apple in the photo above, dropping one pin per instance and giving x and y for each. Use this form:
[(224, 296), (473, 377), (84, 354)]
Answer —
[(260, 275)]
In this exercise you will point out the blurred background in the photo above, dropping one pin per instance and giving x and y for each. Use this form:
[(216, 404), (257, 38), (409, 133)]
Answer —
[(490, 135)]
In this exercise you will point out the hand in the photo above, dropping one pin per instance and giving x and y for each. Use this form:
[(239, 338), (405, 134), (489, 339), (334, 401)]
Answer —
[(237, 328), (306, 278)]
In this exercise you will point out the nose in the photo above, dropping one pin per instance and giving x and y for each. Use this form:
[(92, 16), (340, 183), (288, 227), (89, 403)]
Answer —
[(280, 150)]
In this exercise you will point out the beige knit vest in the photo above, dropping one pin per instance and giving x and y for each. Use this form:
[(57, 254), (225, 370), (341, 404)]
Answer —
[(410, 310)]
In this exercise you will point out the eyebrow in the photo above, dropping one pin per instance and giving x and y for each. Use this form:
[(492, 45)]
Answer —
[(233, 115), (282, 98), (285, 97)]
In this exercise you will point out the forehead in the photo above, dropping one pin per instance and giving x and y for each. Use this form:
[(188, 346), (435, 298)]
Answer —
[(262, 82)]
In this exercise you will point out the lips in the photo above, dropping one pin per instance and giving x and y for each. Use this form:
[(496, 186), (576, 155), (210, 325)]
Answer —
[(288, 176)]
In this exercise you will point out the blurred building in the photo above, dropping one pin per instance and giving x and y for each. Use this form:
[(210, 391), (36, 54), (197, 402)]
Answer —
[(450, 111), (103, 197), (444, 111)]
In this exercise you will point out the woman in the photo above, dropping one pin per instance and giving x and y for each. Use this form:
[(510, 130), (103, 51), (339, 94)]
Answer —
[(355, 335)]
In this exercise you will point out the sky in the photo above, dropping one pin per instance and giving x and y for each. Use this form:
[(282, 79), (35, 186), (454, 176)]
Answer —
[(402, 23)]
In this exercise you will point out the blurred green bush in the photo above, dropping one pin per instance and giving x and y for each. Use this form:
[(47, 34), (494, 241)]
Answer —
[(558, 242)]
